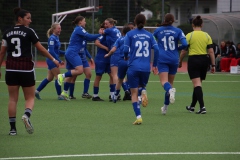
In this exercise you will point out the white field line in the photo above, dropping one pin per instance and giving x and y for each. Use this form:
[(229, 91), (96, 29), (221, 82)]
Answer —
[(126, 154)]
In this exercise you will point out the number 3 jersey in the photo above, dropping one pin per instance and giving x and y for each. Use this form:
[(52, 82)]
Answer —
[(140, 42), (168, 38), (18, 40)]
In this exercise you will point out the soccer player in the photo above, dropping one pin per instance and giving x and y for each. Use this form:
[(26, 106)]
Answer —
[(137, 46), (72, 53), (122, 64), (20, 72), (200, 46), (168, 37), (102, 65), (86, 70), (54, 49), (112, 34)]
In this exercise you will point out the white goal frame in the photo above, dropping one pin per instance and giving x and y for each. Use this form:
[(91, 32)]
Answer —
[(59, 17)]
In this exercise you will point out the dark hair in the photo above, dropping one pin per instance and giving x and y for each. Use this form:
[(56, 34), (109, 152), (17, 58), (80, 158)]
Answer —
[(168, 20), (77, 19), (19, 13), (197, 21), (140, 21), (102, 25), (111, 21), (126, 29)]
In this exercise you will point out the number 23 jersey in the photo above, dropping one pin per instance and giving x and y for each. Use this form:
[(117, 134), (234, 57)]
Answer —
[(18, 40), (140, 42)]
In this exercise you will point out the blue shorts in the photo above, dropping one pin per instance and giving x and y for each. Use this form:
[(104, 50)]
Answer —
[(122, 68), (137, 78), (85, 64), (114, 60), (167, 67), (73, 61), (50, 64), (101, 68)]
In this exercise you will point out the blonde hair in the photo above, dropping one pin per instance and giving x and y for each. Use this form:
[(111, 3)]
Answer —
[(50, 30), (111, 21)]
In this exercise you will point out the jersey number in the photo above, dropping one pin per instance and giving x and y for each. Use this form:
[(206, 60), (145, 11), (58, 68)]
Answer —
[(16, 42), (171, 43), (140, 45)]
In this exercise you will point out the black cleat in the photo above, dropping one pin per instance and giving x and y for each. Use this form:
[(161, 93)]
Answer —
[(202, 111), (97, 99), (127, 96), (190, 109), (13, 132)]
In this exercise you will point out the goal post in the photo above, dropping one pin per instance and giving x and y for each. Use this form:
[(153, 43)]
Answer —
[(92, 5)]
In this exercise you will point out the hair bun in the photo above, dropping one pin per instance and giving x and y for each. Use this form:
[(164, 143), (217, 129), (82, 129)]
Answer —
[(16, 10), (198, 17)]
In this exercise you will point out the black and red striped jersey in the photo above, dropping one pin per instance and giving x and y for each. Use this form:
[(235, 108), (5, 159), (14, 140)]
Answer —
[(18, 40)]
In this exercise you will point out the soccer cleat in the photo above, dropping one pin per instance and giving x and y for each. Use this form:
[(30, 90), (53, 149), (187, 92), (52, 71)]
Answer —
[(97, 99), (37, 95), (111, 98), (202, 111), (27, 123), (65, 96), (86, 95), (144, 98), (172, 92), (138, 121), (72, 97), (12, 132), (190, 109), (164, 110), (60, 79), (127, 96), (115, 98), (60, 97)]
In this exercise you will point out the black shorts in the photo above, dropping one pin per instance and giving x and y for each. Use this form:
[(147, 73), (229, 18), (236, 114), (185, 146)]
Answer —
[(24, 79), (198, 66)]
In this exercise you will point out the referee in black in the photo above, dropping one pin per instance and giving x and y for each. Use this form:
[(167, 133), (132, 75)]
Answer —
[(199, 50)]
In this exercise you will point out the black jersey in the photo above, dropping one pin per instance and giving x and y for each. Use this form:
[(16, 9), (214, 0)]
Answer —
[(18, 40)]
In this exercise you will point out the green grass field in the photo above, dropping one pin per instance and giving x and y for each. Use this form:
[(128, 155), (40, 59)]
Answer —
[(83, 129)]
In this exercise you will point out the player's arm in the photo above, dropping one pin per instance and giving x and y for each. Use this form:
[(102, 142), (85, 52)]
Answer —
[(3, 53), (98, 44), (45, 52)]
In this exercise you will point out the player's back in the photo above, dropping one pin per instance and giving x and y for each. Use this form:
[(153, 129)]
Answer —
[(112, 34), (140, 43), (101, 52), (168, 38), (76, 39)]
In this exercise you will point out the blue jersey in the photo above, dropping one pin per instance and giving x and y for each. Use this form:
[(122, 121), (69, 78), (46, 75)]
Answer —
[(76, 40), (139, 42), (112, 34), (84, 52), (119, 44), (168, 38), (101, 52), (54, 47)]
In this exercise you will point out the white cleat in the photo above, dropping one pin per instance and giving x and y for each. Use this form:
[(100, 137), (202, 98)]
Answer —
[(172, 92)]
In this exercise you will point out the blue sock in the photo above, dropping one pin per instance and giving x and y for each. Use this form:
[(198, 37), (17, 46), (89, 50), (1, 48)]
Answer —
[(124, 86), (43, 84), (140, 91), (71, 89), (68, 74), (95, 90), (58, 88), (136, 109), (112, 87), (66, 86), (167, 86), (117, 92), (166, 101), (86, 85)]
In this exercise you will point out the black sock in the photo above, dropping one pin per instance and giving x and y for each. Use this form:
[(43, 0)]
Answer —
[(194, 99), (199, 94), (12, 121), (28, 112)]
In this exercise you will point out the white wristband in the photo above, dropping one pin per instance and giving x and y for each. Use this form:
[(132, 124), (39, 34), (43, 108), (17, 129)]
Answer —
[(53, 59)]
